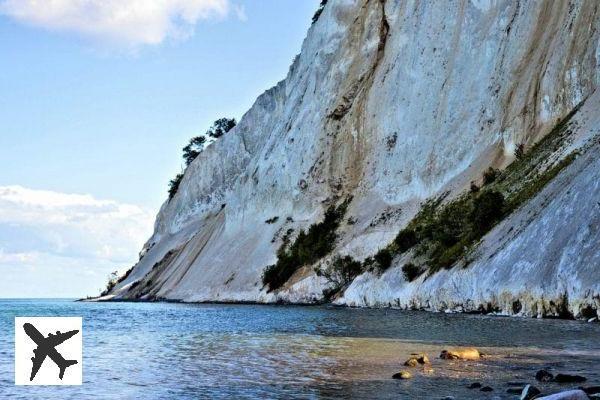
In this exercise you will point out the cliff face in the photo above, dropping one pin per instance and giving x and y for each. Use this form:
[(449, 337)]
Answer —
[(393, 102)]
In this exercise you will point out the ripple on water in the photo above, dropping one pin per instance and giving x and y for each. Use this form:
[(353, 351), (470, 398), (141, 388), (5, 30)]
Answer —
[(139, 350)]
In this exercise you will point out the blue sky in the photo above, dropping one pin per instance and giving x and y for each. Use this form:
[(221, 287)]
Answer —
[(94, 113)]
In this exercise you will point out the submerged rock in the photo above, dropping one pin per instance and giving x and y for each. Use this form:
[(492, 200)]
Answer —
[(487, 389), (461, 354), (567, 378), (568, 395), (416, 359), (544, 376), (402, 375), (591, 389), (474, 385), (529, 392), (411, 362)]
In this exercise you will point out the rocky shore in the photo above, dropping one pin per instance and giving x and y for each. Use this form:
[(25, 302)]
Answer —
[(537, 388)]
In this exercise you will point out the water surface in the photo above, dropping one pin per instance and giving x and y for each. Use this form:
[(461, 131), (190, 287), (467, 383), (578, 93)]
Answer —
[(170, 350)]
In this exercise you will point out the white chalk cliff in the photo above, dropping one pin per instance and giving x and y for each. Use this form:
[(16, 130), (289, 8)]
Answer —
[(393, 102)]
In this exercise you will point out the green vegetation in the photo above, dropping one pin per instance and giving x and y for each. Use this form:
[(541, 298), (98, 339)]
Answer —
[(193, 149), (490, 176), (114, 279), (221, 127), (317, 14), (308, 248), (442, 234), (196, 146), (174, 184), (411, 271)]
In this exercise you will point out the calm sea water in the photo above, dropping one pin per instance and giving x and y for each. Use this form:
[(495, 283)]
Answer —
[(169, 350)]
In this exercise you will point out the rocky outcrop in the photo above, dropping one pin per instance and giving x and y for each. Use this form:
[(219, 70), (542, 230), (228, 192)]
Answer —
[(391, 103)]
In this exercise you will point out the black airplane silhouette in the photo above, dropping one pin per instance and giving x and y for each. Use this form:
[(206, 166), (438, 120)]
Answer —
[(46, 347)]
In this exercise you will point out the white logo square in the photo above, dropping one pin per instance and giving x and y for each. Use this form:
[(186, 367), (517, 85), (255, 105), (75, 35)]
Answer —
[(48, 351)]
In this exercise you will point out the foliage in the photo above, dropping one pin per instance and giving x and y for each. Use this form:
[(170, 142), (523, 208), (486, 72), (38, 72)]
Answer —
[(317, 14), (520, 151), (308, 248), (411, 271), (442, 234), (174, 184), (113, 279), (193, 149), (342, 271), (383, 258), (221, 127), (490, 175), (405, 240)]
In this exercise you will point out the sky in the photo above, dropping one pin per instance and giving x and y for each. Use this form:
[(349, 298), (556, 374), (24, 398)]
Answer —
[(97, 98)]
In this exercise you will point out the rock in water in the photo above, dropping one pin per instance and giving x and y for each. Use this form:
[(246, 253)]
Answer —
[(461, 354), (474, 385), (529, 392), (402, 375), (487, 389), (411, 362), (543, 376), (567, 378), (568, 395)]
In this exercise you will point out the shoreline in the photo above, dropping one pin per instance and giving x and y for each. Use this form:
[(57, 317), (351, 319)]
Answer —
[(334, 305)]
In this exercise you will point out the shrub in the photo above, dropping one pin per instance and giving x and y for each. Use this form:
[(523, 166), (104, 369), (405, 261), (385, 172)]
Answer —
[(411, 271), (383, 258), (317, 14), (343, 270), (406, 239), (193, 149), (174, 185), (520, 151), (113, 279), (490, 175), (308, 248), (488, 208), (221, 127)]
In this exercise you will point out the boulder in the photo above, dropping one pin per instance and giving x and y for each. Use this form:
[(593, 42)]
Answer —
[(515, 390), (529, 392), (402, 375), (567, 378), (468, 353), (474, 385), (544, 376), (591, 389), (411, 362), (568, 395), (487, 389)]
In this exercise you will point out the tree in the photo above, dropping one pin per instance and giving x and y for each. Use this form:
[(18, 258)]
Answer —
[(488, 208), (193, 149), (319, 11), (221, 127), (520, 151), (174, 185)]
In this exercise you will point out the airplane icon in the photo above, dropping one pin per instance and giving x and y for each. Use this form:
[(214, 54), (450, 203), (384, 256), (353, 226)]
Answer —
[(46, 347)]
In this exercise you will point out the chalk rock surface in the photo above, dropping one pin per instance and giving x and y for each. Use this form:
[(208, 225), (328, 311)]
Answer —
[(393, 102)]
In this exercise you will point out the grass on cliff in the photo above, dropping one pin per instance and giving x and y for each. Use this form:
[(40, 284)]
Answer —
[(443, 234), (308, 248)]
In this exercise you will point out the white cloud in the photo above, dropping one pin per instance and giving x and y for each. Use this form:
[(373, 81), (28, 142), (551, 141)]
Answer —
[(70, 234), (121, 22)]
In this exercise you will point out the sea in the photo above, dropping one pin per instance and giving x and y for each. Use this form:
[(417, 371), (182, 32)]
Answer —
[(135, 350)]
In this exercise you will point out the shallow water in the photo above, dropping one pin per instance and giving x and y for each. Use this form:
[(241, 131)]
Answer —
[(169, 350)]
